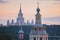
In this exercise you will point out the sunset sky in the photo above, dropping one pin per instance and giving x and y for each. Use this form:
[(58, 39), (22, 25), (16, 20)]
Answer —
[(50, 10)]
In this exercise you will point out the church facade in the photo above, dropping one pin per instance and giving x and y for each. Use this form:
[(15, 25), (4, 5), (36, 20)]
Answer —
[(38, 31)]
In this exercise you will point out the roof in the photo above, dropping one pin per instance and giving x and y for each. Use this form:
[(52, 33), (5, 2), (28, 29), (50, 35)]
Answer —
[(21, 31)]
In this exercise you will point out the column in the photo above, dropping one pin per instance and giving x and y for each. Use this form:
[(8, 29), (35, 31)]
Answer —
[(38, 38), (42, 38)]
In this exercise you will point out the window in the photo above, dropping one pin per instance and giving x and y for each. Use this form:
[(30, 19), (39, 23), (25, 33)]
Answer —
[(40, 28), (40, 38), (34, 38)]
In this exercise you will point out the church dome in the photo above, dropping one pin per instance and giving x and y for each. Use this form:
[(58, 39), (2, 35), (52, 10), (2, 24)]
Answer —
[(38, 9)]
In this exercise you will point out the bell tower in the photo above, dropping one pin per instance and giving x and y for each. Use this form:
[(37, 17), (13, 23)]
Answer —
[(38, 15), (38, 31)]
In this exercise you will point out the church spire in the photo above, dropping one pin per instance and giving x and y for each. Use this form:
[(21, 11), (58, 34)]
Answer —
[(38, 15), (38, 7), (20, 17), (38, 4), (20, 11), (20, 8)]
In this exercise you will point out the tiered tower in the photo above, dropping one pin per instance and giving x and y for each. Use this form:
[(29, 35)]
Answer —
[(38, 16), (38, 32), (20, 18), (21, 32)]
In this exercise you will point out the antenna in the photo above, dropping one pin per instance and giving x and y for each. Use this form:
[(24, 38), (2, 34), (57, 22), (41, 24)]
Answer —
[(38, 4), (20, 5)]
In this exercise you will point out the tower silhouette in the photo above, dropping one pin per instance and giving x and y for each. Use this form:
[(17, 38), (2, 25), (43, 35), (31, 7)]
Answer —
[(20, 18), (38, 31)]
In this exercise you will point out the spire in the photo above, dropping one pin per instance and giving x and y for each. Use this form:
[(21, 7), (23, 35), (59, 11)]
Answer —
[(20, 11), (38, 15), (20, 17), (38, 4), (20, 7), (38, 7)]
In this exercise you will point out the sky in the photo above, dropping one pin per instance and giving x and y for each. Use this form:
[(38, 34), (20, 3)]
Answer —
[(50, 10)]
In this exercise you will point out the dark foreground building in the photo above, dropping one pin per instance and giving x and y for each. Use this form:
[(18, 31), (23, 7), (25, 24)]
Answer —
[(11, 32)]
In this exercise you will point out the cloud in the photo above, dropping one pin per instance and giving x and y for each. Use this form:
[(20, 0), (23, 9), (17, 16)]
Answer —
[(3, 1), (2, 21), (52, 20)]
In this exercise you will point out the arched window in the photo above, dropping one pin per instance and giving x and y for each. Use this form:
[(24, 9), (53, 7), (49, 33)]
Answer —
[(40, 38), (34, 38)]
